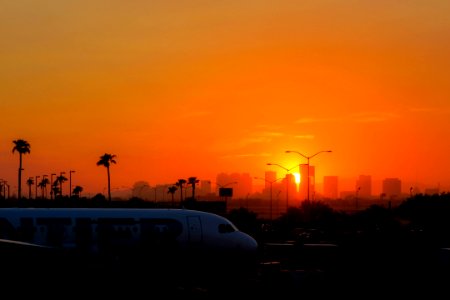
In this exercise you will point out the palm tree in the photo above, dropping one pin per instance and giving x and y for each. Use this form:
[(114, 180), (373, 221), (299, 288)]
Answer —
[(172, 190), (55, 189), (77, 191), (193, 181), (30, 182), (106, 160), (23, 147), (43, 186), (180, 183), (59, 180)]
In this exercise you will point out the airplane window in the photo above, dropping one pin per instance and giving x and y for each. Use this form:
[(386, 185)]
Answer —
[(226, 228)]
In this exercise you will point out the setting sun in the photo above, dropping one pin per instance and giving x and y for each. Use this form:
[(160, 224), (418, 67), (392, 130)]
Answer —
[(297, 177)]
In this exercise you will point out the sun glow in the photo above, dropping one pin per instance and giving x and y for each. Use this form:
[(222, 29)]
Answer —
[(297, 177)]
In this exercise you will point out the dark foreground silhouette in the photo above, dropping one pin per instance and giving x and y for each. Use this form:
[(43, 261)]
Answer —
[(307, 271), (312, 252)]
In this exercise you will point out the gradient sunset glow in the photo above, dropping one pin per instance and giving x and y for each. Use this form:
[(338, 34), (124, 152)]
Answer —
[(193, 88)]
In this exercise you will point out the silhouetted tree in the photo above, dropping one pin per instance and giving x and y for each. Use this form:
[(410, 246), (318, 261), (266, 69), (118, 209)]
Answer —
[(30, 182), (43, 186), (55, 188), (77, 191), (99, 198), (59, 180), (193, 181), (180, 183), (23, 147), (106, 160), (172, 189)]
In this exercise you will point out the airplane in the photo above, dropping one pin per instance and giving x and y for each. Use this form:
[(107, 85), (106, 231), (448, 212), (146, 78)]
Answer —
[(131, 235)]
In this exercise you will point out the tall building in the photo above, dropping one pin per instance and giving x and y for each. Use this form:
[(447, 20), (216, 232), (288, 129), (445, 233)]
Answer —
[(392, 187), (330, 187), (364, 186), (240, 183), (204, 188)]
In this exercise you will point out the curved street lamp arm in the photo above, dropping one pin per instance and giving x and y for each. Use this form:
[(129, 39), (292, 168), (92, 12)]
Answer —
[(287, 170), (291, 151), (319, 152), (307, 157), (269, 181)]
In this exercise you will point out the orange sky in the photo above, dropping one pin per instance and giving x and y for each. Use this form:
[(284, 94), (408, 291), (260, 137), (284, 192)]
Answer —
[(193, 88)]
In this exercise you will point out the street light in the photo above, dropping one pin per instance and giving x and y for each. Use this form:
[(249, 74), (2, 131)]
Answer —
[(225, 185), (287, 181), (70, 183), (44, 186), (51, 186), (61, 182), (271, 182), (356, 197), (221, 186), (36, 183), (307, 157)]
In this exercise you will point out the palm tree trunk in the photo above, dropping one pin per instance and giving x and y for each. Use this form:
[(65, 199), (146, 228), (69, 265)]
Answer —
[(19, 186), (109, 185), (181, 194)]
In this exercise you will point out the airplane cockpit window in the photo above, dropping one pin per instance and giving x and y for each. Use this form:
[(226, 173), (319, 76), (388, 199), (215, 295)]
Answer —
[(226, 228)]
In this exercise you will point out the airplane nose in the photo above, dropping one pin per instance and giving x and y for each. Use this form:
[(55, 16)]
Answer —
[(248, 244)]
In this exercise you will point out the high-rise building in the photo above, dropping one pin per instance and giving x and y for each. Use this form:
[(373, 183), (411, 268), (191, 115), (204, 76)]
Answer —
[(204, 188), (392, 187), (364, 186), (240, 183), (330, 187)]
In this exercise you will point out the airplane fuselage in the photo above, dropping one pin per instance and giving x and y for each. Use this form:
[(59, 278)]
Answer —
[(100, 230)]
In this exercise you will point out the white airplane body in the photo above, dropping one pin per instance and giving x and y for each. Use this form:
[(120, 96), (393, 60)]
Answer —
[(110, 250), (102, 230)]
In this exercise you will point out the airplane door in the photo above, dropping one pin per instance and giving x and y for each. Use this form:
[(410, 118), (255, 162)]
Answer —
[(195, 229)]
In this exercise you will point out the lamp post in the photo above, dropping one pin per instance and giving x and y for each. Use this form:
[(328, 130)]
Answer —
[(36, 183), (271, 182), (51, 186), (308, 158), (225, 185), (61, 182), (221, 186), (70, 183), (44, 194), (356, 197), (287, 181)]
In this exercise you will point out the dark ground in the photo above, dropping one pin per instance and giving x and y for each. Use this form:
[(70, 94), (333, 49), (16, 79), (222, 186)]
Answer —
[(280, 271)]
